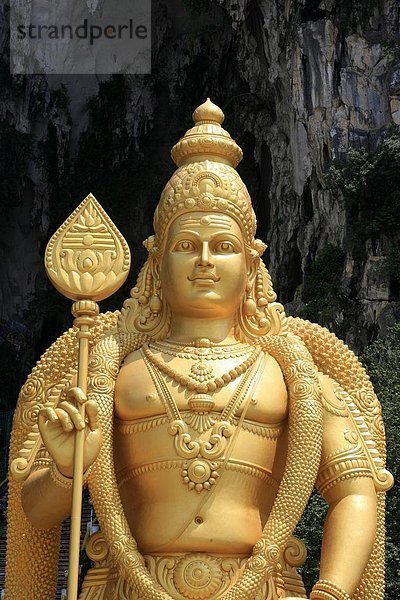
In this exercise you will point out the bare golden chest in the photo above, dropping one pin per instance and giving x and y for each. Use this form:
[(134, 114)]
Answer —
[(138, 396)]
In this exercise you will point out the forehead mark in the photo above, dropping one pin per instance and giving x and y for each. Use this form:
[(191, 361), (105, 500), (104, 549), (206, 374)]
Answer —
[(218, 222)]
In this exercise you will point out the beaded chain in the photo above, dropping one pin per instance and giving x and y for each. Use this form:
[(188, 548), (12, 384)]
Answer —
[(187, 351), (201, 387), (326, 590)]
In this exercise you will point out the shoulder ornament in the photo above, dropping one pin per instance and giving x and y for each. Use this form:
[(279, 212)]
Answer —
[(340, 364), (333, 396)]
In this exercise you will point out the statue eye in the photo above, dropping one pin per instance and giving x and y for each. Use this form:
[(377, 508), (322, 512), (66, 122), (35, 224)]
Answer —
[(225, 247), (184, 246)]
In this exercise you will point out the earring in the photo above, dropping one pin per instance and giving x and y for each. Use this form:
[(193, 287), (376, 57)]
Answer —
[(155, 303), (250, 307)]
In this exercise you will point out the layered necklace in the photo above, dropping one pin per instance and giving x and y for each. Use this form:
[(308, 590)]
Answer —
[(201, 377), (202, 348), (202, 456)]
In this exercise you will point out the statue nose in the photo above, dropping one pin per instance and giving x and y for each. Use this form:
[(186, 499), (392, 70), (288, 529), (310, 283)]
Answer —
[(204, 260)]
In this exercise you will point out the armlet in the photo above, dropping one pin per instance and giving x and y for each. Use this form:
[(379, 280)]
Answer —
[(344, 464), (356, 407)]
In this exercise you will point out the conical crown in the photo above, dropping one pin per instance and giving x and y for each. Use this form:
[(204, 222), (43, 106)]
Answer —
[(207, 139), (206, 179)]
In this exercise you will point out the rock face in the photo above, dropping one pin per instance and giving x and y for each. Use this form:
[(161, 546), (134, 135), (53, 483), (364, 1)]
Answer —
[(300, 83)]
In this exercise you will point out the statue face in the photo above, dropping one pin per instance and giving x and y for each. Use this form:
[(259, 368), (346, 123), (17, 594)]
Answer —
[(203, 269)]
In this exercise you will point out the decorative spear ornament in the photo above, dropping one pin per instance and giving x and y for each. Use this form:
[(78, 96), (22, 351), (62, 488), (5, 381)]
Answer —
[(87, 260)]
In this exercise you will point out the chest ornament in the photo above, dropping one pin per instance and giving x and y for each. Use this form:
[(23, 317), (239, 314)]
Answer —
[(201, 377), (204, 457)]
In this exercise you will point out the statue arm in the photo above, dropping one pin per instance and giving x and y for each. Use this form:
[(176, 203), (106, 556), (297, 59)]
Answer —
[(345, 482), (45, 502), (349, 532), (47, 493)]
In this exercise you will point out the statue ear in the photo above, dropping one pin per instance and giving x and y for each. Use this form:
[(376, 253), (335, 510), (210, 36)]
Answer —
[(155, 267), (252, 268)]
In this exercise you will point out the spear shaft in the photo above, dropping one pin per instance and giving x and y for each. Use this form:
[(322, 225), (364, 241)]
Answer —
[(83, 312)]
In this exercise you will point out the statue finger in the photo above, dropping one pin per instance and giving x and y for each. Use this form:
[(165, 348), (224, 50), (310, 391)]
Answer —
[(73, 412), (92, 412), (76, 394), (46, 414), (64, 419)]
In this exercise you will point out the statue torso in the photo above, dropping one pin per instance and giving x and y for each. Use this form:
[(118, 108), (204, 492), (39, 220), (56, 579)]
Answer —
[(163, 513)]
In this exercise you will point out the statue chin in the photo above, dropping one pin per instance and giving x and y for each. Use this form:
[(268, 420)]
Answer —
[(210, 415)]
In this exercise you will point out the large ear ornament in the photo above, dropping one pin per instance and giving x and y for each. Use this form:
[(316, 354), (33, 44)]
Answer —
[(145, 311), (259, 314)]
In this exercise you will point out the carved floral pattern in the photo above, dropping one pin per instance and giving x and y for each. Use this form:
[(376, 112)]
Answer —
[(87, 257)]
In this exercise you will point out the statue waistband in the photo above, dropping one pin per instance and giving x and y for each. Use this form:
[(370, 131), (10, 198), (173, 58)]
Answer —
[(191, 575), (199, 575)]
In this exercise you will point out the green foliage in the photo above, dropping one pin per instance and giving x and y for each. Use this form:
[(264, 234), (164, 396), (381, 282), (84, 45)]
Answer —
[(382, 359), (16, 149), (309, 530), (392, 46), (393, 264), (320, 292), (370, 184)]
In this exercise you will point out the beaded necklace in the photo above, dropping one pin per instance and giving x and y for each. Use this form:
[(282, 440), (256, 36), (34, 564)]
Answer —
[(202, 456), (199, 378)]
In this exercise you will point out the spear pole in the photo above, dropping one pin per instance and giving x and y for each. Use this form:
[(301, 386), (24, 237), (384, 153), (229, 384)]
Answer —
[(87, 259), (83, 311)]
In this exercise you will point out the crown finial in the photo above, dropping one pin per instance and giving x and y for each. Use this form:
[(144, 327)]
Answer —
[(208, 112), (207, 140)]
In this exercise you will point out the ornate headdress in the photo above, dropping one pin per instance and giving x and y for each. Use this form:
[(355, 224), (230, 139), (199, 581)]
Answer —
[(206, 180)]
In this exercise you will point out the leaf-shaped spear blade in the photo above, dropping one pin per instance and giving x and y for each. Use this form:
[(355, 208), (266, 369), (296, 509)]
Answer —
[(87, 258)]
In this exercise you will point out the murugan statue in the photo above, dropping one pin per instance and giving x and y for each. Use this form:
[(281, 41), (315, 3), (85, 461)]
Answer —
[(210, 417)]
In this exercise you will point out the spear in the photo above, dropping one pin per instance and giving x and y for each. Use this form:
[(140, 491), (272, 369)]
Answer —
[(87, 260)]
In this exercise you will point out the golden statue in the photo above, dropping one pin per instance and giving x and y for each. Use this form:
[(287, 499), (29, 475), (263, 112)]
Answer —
[(210, 416)]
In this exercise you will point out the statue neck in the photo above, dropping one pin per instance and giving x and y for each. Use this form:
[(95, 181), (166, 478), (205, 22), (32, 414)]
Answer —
[(218, 331)]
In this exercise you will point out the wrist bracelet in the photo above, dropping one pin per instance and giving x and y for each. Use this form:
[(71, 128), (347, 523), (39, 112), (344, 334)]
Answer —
[(61, 480), (326, 590)]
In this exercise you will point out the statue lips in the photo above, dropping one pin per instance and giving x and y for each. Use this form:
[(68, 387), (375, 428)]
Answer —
[(204, 278)]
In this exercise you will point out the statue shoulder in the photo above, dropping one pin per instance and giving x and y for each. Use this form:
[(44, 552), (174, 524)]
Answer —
[(333, 396), (273, 374), (133, 359), (330, 354), (349, 401), (132, 367)]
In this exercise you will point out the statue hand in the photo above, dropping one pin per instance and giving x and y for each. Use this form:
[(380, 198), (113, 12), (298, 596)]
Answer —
[(57, 427)]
